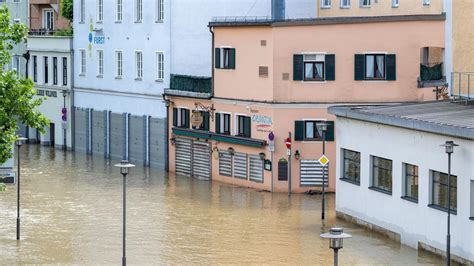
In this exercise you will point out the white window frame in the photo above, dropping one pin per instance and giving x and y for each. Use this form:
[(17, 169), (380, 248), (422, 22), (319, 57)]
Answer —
[(47, 10), (426, 2), (138, 65), (369, 4), (118, 64), (138, 11), (180, 109), (221, 129), (100, 11), (345, 3), (159, 11), (325, 3), (82, 11), (100, 63), (118, 10), (395, 3), (82, 62), (160, 65)]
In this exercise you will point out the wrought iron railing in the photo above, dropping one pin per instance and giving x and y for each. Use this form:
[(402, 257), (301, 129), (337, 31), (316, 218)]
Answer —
[(41, 32), (230, 19), (190, 83), (461, 85)]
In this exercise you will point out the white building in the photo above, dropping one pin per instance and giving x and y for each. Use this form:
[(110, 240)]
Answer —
[(392, 173), (126, 52)]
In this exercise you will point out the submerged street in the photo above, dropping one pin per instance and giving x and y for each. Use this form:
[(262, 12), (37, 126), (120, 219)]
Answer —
[(71, 213)]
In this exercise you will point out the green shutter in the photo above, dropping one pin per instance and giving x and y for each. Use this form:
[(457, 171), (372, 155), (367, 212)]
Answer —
[(298, 67), (330, 64), (175, 117), (217, 58), (186, 118), (391, 67), (329, 135), (232, 58), (359, 67), (247, 127), (299, 130), (218, 123), (205, 121)]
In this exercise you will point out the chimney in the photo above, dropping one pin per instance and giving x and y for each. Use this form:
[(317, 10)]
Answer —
[(278, 9)]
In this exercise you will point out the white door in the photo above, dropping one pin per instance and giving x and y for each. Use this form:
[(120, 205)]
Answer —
[(48, 19)]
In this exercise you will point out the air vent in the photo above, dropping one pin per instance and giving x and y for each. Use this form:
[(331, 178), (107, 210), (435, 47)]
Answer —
[(263, 71), (263, 42), (285, 76)]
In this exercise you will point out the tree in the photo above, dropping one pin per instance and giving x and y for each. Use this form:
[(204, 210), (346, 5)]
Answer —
[(17, 101), (67, 9)]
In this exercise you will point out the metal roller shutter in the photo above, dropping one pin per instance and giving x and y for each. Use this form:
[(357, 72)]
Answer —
[(157, 142), (183, 156), (116, 136), (136, 141), (225, 163), (201, 160), (240, 165), (311, 173), (255, 168), (98, 142), (80, 128)]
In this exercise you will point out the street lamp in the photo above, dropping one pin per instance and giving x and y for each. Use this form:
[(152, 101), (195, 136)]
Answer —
[(449, 149), (324, 128), (336, 238), (19, 141), (124, 166)]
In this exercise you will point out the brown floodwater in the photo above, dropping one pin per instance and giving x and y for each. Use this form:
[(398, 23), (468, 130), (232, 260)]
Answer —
[(71, 213)]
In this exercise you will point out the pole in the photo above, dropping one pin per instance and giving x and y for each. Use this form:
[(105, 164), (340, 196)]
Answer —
[(18, 196), (323, 203), (289, 167), (64, 130), (124, 258), (336, 259), (448, 237), (273, 164)]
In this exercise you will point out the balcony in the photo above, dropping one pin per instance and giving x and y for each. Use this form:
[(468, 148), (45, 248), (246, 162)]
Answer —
[(49, 43), (190, 86), (43, 2)]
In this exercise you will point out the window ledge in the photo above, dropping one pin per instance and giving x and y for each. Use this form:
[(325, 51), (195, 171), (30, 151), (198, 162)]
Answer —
[(345, 7), (100, 76), (137, 22), (375, 80), (118, 22), (439, 208), (409, 199), (395, 6), (138, 79), (99, 22), (118, 77), (226, 69), (82, 75), (381, 190), (365, 6), (350, 181), (313, 81), (158, 21), (82, 22), (326, 7), (159, 80)]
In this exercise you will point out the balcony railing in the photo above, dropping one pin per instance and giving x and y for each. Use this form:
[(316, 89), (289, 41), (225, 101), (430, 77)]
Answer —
[(190, 83), (41, 32), (240, 19), (461, 85)]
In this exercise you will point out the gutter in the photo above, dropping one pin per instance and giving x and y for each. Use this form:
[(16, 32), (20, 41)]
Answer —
[(211, 29)]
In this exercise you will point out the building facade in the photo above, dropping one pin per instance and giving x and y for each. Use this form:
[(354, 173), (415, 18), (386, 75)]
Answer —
[(127, 53), (45, 17), (393, 176), (280, 77)]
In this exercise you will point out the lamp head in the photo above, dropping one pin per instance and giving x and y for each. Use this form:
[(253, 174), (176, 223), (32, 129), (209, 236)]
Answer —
[(20, 140), (336, 237), (124, 166), (324, 126), (297, 154), (449, 146)]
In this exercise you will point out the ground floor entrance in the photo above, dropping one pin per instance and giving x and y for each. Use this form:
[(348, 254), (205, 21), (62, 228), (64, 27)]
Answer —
[(193, 158)]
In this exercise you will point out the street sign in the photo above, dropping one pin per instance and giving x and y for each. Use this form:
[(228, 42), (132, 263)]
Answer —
[(7, 177), (323, 160), (288, 152), (271, 146), (271, 136), (64, 114), (64, 124), (288, 143)]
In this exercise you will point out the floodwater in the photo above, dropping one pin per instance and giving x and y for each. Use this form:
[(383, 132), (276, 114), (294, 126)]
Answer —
[(71, 213)]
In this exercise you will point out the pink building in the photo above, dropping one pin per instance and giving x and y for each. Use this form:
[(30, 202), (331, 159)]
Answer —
[(280, 77)]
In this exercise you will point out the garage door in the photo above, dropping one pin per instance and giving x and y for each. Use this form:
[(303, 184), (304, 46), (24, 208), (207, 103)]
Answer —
[(311, 173), (80, 129), (98, 133), (183, 156), (137, 140), (201, 160)]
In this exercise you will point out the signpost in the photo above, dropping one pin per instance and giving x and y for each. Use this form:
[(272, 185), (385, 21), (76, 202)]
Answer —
[(288, 152), (271, 149)]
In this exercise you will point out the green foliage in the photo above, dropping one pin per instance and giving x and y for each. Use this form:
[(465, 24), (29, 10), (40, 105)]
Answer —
[(17, 101), (67, 9), (3, 187), (67, 32)]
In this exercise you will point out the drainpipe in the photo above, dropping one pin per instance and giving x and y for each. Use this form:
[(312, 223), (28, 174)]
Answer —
[(211, 29), (167, 134)]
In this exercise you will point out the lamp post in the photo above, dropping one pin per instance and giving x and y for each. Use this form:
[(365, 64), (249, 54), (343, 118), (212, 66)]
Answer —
[(18, 144), (124, 167), (449, 149), (324, 128), (64, 119), (336, 237)]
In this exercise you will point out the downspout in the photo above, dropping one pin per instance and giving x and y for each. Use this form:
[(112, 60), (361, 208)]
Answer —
[(167, 134), (211, 29)]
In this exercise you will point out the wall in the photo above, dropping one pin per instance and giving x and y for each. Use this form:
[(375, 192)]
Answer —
[(380, 8), (390, 211)]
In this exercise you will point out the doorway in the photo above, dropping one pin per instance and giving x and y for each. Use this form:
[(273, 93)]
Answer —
[(51, 134)]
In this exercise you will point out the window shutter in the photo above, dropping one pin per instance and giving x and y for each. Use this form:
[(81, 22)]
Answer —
[(298, 67), (247, 128), (391, 67), (205, 121), (175, 117), (299, 130), (329, 135), (330, 63), (218, 123), (186, 120), (232, 58), (217, 58), (359, 67)]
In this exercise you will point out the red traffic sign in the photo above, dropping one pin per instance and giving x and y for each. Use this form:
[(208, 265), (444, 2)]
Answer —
[(288, 143)]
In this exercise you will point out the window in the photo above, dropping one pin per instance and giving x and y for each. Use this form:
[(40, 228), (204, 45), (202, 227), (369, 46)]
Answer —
[(83, 61), (160, 11), (138, 65), (426, 2), (100, 10), (410, 182), (243, 126), (35, 68), (381, 174), (351, 166), (138, 10), (160, 66), (205, 120), (100, 63), (225, 58), (395, 3), (311, 130), (118, 64), (64, 71), (439, 192), (83, 11), (181, 117), (46, 70), (48, 19), (16, 20), (118, 10), (375, 66), (223, 123), (365, 3), (345, 3), (313, 67), (325, 3), (55, 71)]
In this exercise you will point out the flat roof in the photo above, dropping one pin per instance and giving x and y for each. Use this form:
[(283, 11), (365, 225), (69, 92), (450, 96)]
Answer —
[(258, 21), (442, 117)]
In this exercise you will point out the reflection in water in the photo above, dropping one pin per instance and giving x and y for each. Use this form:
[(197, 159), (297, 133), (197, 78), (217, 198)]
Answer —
[(72, 213)]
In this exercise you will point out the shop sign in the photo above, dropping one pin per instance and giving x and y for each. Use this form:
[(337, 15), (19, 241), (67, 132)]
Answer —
[(47, 93), (264, 123), (196, 118), (267, 165)]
